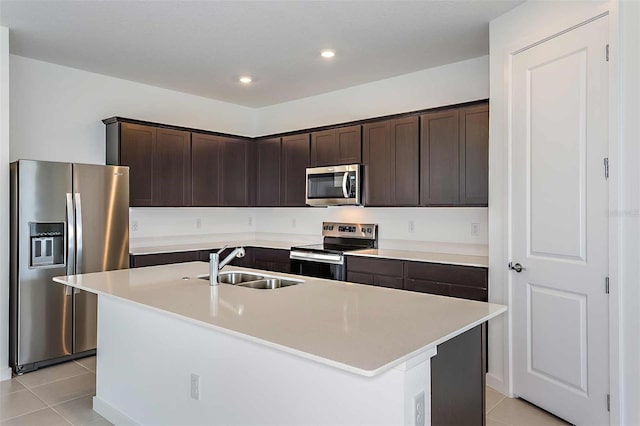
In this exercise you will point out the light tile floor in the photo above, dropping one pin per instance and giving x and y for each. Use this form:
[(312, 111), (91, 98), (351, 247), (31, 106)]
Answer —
[(503, 411), (62, 395), (58, 395)]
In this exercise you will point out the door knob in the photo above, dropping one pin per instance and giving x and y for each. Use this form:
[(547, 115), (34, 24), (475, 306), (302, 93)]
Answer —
[(515, 267)]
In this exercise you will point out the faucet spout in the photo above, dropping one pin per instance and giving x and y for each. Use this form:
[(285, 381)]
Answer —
[(215, 264)]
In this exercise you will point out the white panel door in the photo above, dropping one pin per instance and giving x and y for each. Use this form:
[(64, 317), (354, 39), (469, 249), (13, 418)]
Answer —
[(559, 128)]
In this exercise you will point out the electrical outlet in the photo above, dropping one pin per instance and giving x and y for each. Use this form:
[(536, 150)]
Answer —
[(198, 223), (195, 387), (419, 409), (134, 225), (294, 222), (412, 226), (475, 229), (250, 221)]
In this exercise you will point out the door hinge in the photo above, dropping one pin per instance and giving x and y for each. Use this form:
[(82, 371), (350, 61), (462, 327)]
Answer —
[(607, 53), (606, 168), (608, 402), (606, 285)]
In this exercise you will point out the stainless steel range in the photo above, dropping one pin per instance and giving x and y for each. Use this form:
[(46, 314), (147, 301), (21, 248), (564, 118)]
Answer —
[(326, 260)]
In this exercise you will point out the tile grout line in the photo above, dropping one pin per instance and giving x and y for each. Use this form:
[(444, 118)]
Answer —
[(57, 380), (28, 412)]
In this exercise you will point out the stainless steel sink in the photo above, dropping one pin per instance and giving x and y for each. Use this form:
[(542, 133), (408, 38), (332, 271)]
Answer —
[(261, 282), (269, 283), (234, 277)]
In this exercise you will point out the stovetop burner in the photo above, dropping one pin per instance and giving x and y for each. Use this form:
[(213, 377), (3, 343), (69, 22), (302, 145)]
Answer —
[(343, 237)]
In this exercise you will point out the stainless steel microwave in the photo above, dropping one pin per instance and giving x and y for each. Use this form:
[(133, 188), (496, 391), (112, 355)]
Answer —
[(334, 186)]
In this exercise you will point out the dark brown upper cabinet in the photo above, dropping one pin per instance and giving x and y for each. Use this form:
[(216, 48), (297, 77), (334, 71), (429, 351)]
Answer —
[(391, 162), (336, 146), (474, 155), (295, 160), (159, 161), (136, 151), (454, 148), (237, 163), (439, 170), (206, 158), (269, 155), (172, 168)]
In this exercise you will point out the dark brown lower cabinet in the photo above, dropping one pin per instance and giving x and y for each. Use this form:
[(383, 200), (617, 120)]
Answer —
[(275, 260), (458, 380), (466, 282), (139, 261), (378, 272), (271, 259)]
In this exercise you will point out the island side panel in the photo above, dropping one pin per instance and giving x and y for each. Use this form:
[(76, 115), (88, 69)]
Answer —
[(458, 380), (146, 359)]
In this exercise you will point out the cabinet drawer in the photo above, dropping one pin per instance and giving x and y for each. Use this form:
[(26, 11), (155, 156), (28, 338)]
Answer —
[(389, 282), (468, 276), (388, 267), (164, 258), (424, 286)]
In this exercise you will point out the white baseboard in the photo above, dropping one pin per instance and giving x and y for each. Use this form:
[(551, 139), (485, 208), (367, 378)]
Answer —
[(112, 414), (5, 374), (498, 384)]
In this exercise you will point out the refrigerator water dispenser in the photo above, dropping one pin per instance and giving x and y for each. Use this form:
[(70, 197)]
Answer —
[(47, 244)]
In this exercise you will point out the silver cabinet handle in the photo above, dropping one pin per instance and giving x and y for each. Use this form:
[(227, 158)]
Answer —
[(516, 267), (78, 233), (71, 236), (345, 177)]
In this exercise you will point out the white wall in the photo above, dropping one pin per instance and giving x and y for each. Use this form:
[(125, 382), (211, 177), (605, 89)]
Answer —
[(437, 229), (57, 112), (5, 372), (444, 85), (628, 295), (524, 25)]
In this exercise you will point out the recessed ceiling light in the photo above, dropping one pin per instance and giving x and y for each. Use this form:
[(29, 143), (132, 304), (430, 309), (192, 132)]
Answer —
[(327, 53), (245, 79)]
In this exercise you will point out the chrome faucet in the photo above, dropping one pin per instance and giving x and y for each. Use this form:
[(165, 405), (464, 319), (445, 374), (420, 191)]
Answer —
[(215, 264)]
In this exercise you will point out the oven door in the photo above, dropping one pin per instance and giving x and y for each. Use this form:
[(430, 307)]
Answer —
[(334, 186), (318, 265)]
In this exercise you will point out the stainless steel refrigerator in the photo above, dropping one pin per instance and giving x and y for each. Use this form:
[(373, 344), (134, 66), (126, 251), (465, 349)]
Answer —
[(66, 219)]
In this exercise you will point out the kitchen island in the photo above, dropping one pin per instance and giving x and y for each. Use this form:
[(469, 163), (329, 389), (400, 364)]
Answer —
[(174, 350)]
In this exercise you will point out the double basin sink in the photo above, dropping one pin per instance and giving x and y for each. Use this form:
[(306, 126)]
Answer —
[(261, 282)]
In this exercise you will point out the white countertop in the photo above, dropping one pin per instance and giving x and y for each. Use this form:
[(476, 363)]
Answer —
[(423, 256), (363, 329), (170, 248), (412, 255)]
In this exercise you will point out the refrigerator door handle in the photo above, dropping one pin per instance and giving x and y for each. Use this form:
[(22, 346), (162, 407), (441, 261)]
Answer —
[(71, 236), (78, 233)]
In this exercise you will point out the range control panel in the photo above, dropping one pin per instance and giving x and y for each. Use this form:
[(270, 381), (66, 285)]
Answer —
[(350, 230)]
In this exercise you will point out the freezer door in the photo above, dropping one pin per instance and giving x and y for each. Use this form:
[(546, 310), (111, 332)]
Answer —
[(41, 309), (101, 198)]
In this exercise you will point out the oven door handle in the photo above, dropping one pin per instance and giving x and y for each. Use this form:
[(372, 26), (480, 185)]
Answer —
[(335, 259)]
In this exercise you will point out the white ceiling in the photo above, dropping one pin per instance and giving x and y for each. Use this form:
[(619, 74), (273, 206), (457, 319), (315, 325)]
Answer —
[(202, 47)]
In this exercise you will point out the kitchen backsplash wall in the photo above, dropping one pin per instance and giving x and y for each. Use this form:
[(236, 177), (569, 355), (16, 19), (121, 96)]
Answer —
[(456, 230)]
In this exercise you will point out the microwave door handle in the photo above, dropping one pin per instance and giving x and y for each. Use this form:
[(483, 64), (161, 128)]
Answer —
[(345, 179)]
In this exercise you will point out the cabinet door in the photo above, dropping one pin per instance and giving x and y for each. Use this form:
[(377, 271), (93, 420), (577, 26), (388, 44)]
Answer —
[(439, 172), (205, 170), (136, 151), (164, 258), (474, 155), (172, 168), (268, 173), (377, 157), (405, 162), (235, 172), (349, 145), (324, 149), (295, 160)]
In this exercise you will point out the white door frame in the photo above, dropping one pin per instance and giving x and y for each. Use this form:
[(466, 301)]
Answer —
[(505, 131)]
